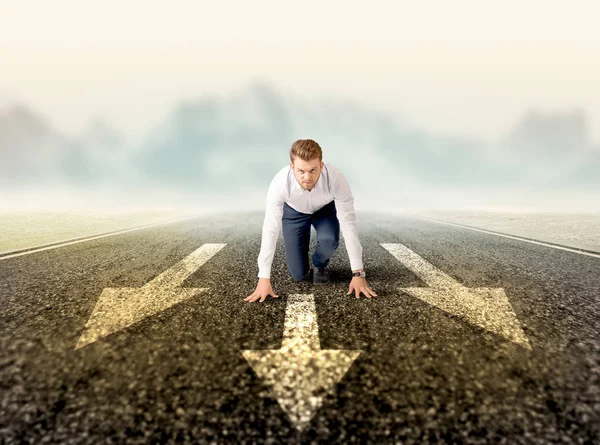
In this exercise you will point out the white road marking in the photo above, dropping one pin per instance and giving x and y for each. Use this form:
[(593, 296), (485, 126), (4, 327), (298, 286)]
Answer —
[(121, 307), (540, 243), (488, 308), (90, 238), (300, 374)]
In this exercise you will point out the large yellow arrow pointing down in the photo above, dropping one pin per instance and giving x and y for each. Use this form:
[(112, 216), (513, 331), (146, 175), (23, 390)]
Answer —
[(121, 307), (300, 374), (488, 308)]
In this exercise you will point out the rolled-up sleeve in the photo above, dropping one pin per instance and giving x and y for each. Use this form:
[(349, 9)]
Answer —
[(344, 205), (271, 227)]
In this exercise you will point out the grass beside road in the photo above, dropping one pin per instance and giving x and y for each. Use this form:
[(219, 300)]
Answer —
[(22, 230), (578, 230)]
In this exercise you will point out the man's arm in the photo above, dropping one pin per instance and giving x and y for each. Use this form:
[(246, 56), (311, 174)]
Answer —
[(271, 228), (344, 205)]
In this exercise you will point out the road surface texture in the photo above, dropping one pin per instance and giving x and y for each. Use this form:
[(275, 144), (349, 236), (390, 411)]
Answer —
[(144, 337)]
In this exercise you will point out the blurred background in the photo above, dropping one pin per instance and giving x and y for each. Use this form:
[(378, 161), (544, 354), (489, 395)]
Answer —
[(422, 105)]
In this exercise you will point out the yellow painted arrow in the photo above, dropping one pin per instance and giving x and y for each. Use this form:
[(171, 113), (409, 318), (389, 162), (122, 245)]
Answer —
[(300, 374), (485, 307), (118, 308)]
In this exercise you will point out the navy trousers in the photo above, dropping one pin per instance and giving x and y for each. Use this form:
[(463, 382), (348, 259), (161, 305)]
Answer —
[(296, 238)]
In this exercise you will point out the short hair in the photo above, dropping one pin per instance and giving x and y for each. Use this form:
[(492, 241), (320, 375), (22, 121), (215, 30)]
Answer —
[(306, 149)]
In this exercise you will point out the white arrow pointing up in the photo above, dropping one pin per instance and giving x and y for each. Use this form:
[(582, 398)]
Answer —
[(121, 307), (488, 308), (300, 374)]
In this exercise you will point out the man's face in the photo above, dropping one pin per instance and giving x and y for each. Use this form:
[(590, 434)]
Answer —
[(307, 172)]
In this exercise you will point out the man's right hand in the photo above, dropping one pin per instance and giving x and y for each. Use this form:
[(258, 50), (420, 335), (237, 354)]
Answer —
[(263, 288)]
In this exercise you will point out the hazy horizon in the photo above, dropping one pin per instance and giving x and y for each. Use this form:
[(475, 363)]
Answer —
[(219, 152)]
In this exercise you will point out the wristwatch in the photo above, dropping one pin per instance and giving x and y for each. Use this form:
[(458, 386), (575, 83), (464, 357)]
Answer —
[(361, 274)]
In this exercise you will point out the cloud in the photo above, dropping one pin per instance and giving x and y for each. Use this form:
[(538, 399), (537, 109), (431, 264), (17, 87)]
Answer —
[(223, 152)]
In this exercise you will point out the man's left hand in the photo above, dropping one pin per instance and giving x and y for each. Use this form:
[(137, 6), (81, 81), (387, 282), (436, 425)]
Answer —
[(358, 285)]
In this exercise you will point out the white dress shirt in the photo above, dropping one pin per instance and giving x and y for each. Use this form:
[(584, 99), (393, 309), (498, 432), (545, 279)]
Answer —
[(332, 185)]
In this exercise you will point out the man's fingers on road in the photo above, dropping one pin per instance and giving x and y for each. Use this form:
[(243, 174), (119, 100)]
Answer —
[(256, 295), (252, 297)]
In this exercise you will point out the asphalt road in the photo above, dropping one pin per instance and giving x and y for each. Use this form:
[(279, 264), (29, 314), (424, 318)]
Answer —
[(425, 375)]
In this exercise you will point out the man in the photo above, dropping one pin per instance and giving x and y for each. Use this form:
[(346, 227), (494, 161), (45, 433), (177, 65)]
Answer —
[(307, 192)]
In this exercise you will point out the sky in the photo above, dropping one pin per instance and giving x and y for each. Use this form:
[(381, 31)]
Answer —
[(467, 68)]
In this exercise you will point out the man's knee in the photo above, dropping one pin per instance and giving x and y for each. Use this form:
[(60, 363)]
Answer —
[(329, 240)]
